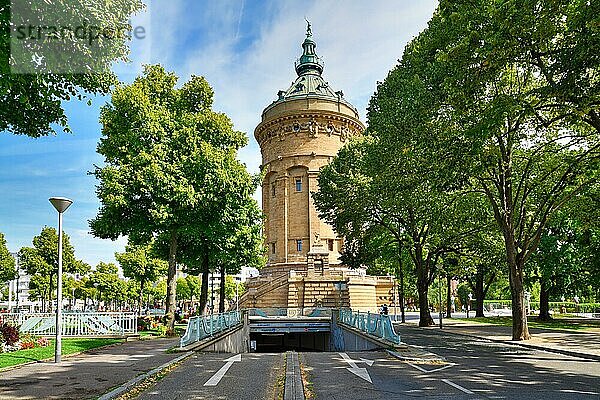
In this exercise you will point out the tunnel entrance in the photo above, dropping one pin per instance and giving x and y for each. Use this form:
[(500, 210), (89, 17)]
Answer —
[(298, 341)]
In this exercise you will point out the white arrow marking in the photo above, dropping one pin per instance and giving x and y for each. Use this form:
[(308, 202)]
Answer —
[(368, 362), (360, 372), (216, 378)]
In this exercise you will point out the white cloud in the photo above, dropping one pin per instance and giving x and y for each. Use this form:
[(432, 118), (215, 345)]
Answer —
[(360, 42)]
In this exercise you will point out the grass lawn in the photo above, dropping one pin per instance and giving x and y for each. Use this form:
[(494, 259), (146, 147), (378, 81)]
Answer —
[(557, 323), (69, 346)]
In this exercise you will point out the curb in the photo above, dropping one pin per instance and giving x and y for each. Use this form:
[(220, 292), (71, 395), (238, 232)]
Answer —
[(531, 346), (293, 387), (129, 385)]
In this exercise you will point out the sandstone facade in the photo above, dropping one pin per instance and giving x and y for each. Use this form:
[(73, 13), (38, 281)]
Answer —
[(300, 133)]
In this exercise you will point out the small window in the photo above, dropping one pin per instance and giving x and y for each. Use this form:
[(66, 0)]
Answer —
[(272, 189), (299, 245), (272, 248), (298, 184), (330, 244)]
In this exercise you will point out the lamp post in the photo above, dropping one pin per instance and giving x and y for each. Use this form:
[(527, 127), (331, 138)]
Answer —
[(60, 204)]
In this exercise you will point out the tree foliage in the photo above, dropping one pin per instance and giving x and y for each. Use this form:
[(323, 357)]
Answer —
[(139, 263), (32, 103), (41, 262), (361, 192), (478, 93), (170, 164), (7, 262)]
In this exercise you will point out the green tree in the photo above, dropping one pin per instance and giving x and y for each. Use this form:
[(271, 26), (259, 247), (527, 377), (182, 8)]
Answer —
[(482, 263), (106, 281), (41, 262), (7, 262), (193, 283), (359, 191), (183, 290), (239, 241), (32, 103), (139, 263), (472, 103), (169, 159)]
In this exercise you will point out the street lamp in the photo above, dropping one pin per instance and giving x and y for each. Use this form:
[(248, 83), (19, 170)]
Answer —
[(60, 204)]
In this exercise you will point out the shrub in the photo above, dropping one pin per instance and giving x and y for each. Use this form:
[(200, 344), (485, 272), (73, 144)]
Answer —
[(10, 334), (143, 324), (27, 342), (43, 342), (27, 345)]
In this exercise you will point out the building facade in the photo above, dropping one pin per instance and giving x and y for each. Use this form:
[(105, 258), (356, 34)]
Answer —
[(299, 133)]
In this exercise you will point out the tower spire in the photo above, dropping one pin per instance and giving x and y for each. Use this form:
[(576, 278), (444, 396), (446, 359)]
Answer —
[(309, 62)]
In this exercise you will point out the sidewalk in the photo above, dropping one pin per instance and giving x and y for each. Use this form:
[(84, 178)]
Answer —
[(87, 375), (584, 344)]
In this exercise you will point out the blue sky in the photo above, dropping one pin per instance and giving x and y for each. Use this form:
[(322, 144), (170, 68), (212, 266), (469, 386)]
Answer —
[(246, 49)]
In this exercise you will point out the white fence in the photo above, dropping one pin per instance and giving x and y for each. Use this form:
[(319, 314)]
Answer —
[(75, 324)]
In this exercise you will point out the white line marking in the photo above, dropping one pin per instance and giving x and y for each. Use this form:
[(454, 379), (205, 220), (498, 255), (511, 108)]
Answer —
[(462, 389), (417, 367), (427, 371), (216, 378)]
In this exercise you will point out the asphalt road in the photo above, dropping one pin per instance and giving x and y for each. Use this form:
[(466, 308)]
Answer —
[(476, 370), (252, 377)]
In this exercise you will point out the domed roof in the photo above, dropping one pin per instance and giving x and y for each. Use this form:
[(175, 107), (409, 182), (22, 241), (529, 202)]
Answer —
[(309, 83)]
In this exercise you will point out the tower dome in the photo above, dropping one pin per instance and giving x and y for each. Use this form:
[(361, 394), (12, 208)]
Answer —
[(300, 132)]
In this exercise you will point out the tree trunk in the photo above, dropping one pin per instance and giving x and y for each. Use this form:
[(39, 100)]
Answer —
[(520, 330), (424, 314), (171, 282), (479, 292), (204, 287), (141, 296), (448, 297), (222, 291), (544, 301), (423, 289), (401, 287)]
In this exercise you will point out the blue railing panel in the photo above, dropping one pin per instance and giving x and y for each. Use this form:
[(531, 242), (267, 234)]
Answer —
[(373, 324), (203, 326)]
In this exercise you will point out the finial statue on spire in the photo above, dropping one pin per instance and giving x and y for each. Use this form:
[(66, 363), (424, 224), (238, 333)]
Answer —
[(308, 28)]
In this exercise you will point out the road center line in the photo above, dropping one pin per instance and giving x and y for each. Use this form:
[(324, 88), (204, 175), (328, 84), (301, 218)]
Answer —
[(462, 389)]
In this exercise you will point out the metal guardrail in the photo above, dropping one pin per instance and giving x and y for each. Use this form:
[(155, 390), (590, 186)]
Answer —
[(290, 312), (75, 324), (372, 324), (203, 326)]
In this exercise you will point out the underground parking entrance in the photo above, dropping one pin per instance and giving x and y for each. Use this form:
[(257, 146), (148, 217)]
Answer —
[(304, 334), (286, 341), (282, 334)]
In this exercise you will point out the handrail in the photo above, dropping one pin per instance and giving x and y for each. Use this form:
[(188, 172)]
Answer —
[(203, 326), (378, 325)]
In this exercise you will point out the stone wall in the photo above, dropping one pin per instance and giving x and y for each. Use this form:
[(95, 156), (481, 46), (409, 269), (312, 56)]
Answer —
[(331, 290)]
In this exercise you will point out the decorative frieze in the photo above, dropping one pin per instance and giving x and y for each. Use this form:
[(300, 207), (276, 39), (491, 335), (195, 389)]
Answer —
[(311, 125)]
